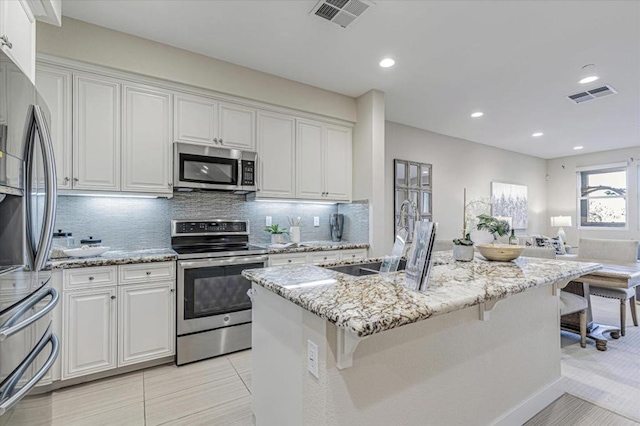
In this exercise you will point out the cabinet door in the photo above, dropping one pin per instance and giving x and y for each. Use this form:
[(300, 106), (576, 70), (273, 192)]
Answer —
[(237, 126), (55, 87), (96, 133), (309, 155), (276, 155), (355, 254), (89, 332), (146, 318), (318, 258), (146, 144), (18, 25), (287, 259), (195, 119), (337, 163)]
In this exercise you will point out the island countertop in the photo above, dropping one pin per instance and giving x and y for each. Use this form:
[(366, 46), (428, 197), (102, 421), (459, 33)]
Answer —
[(370, 304)]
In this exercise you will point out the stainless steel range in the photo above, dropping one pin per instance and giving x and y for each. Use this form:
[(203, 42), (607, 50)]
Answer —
[(214, 311)]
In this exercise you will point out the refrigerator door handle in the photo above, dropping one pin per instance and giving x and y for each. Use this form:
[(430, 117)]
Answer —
[(40, 254), (10, 327), (9, 384)]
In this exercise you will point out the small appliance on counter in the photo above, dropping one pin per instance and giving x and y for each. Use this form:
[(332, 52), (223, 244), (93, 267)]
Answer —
[(91, 242), (60, 242), (336, 222)]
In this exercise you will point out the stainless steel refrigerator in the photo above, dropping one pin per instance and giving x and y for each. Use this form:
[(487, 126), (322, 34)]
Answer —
[(28, 348)]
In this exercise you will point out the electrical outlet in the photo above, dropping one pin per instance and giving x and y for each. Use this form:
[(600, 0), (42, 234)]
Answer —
[(312, 358), (316, 221), (268, 221)]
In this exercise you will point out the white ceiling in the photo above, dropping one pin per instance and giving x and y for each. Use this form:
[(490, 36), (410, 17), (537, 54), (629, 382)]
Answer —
[(514, 60)]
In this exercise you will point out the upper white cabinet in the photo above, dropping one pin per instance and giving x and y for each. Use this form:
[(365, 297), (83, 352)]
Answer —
[(55, 87), (96, 133), (276, 155), (323, 169), (206, 121), (237, 126), (195, 119), (146, 141), (18, 34)]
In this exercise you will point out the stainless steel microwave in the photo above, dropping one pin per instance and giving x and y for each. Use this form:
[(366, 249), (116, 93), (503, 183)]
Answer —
[(201, 167)]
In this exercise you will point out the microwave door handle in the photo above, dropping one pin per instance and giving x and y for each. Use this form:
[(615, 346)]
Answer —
[(44, 245)]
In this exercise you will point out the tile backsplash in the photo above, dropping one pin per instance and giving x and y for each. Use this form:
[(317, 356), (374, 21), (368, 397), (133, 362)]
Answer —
[(140, 223)]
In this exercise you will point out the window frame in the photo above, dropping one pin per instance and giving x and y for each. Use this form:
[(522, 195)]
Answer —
[(579, 198)]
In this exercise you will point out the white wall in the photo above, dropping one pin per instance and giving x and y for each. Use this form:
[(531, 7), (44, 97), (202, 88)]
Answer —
[(562, 192), (457, 164), (98, 45)]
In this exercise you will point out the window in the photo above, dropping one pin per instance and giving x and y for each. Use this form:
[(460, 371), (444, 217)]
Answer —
[(603, 196)]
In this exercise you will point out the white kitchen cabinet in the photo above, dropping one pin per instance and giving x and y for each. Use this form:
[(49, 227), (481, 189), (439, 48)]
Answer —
[(3, 100), (323, 166), (96, 133), (89, 331), (237, 126), (318, 258), (309, 164), (141, 273), (353, 254), (18, 34), (288, 259), (337, 163), (146, 322), (195, 119), (55, 87), (276, 155), (146, 140)]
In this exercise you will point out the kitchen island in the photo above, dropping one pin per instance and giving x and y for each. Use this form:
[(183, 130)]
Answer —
[(480, 346)]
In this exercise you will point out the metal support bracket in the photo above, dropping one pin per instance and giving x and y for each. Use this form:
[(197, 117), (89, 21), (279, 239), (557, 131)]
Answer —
[(347, 344), (485, 308)]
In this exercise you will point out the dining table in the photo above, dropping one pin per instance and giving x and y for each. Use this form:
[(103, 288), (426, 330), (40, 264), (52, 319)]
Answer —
[(618, 275)]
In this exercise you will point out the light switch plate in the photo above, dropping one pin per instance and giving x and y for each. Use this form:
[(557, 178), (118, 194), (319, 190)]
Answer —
[(316, 221), (268, 221), (312, 358)]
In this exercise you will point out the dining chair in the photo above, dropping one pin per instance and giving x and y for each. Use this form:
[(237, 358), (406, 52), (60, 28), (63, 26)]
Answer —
[(619, 251)]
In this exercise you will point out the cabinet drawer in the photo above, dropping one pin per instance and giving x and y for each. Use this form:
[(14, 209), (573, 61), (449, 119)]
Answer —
[(357, 254), (98, 276), (146, 272), (287, 259), (324, 257)]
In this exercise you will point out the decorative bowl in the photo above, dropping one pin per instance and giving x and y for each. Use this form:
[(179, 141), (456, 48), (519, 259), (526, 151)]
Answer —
[(500, 252), (86, 251)]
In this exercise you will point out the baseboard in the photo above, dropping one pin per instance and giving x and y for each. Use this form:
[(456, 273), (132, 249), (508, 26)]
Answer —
[(533, 405)]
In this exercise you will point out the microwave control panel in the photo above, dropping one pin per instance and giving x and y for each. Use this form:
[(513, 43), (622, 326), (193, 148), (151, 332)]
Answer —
[(248, 173)]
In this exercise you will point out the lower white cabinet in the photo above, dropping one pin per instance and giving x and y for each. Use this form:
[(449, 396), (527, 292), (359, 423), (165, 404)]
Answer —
[(317, 257), (89, 331), (110, 326), (146, 322)]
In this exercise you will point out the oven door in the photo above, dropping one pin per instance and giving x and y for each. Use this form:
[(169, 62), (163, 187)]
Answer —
[(212, 293)]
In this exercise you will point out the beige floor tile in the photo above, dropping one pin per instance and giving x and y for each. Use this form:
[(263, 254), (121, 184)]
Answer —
[(79, 402), (130, 415), (241, 361), (233, 413), (188, 376), (195, 399), (246, 378)]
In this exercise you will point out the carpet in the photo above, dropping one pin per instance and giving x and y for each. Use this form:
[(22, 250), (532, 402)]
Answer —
[(610, 379)]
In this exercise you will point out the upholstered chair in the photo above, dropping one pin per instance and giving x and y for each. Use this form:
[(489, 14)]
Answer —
[(616, 251)]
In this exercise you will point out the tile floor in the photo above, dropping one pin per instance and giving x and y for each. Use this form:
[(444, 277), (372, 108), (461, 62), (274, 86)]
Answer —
[(212, 392)]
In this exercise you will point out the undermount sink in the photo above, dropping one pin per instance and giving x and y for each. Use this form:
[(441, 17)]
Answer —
[(362, 269)]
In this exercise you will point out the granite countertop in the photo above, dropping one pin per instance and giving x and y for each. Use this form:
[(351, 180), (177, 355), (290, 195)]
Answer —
[(115, 257), (307, 246), (367, 305)]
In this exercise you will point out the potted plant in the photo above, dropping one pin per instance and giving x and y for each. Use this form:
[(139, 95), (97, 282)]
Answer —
[(463, 247), (276, 233), (492, 225)]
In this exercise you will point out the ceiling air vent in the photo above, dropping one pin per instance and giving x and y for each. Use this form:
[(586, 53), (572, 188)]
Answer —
[(592, 94), (340, 12)]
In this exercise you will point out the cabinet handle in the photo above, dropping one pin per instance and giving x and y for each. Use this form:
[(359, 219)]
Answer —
[(325, 258), (75, 179), (4, 41), (220, 141), (170, 185), (289, 260), (215, 140), (172, 290), (66, 180), (113, 297), (148, 273), (90, 278)]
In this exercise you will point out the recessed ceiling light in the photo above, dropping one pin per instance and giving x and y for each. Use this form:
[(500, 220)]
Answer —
[(589, 74), (537, 134), (578, 147), (387, 62), (477, 114)]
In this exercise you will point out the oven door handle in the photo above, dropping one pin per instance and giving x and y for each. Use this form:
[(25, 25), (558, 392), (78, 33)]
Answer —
[(189, 264)]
